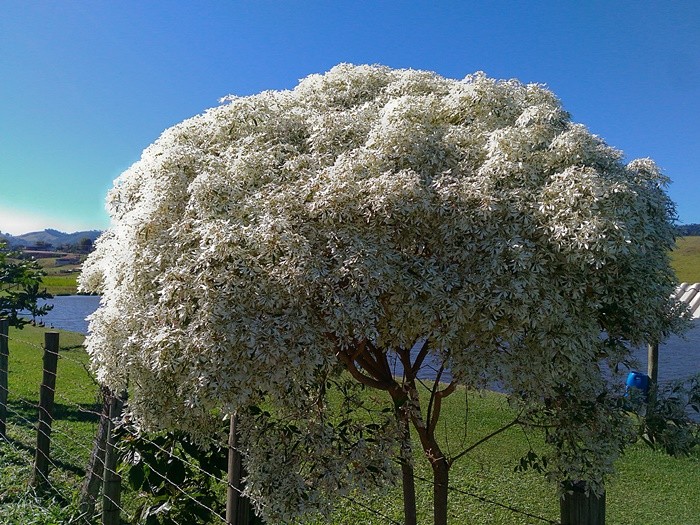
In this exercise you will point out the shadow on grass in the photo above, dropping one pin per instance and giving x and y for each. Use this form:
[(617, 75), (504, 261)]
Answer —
[(31, 451), (23, 412), (24, 415)]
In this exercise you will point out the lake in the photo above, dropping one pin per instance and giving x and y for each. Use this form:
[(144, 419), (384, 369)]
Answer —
[(70, 312), (679, 357)]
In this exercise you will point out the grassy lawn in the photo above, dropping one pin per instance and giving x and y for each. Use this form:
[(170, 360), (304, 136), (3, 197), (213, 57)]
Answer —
[(60, 280), (72, 433), (686, 259), (650, 487)]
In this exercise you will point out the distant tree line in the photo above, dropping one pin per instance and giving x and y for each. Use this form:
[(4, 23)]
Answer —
[(52, 240), (84, 245), (685, 230)]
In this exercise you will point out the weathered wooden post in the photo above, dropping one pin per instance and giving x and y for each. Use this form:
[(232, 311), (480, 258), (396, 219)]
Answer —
[(653, 362), (94, 472), (234, 474), (4, 363), (578, 508), (238, 509), (653, 373), (111, 489), (46, 402)]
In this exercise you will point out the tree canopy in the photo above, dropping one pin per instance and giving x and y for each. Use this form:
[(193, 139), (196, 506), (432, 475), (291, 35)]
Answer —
[(258, 247), (20, 287)]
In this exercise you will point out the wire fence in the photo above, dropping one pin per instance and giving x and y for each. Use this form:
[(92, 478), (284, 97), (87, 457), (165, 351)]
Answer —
[(82, 475), (71, 429)]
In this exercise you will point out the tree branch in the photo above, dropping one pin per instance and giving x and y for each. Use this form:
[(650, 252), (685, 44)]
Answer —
[(349, 363), (420, 358), (433, 401), (380, 359)]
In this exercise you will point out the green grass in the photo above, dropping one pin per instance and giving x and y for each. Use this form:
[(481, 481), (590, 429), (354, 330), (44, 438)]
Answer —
[(60, 280), (72, 433), (61, 284), (685, 259), (649, 488)]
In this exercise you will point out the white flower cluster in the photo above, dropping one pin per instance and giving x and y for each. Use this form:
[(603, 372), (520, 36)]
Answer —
[(383, 205)]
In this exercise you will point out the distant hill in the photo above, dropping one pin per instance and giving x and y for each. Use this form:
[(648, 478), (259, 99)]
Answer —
[(48, 237)]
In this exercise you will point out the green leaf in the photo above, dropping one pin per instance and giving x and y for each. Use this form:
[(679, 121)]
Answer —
[(137, 476)]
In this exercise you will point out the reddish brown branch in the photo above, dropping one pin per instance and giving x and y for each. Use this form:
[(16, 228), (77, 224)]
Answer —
[(420, 358), (366, 380)]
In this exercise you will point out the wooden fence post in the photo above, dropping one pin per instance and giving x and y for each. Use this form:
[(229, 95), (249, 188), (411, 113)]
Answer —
[(653, 362), (238, 508), (94, 473), (46, 399), (111, 489), (4, 362), (233, 490), (579, 508), (653, 373)]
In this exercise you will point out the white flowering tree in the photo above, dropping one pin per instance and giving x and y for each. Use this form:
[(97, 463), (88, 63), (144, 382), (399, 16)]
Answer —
[(263, 245)]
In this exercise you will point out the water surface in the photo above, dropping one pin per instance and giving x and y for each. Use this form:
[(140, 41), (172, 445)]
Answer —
[(679, 356)]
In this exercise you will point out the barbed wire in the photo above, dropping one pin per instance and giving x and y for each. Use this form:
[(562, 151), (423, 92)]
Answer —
[(74, 440), (484, 499), (49, 435), (56, 464), (186, 494), (58, 434), (377, 513), (45, 476), (183, 460)]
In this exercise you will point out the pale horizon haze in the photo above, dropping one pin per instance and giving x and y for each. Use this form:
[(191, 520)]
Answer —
[(87, 86)]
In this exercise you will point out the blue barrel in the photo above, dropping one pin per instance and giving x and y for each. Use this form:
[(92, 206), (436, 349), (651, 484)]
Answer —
[(638, 380)]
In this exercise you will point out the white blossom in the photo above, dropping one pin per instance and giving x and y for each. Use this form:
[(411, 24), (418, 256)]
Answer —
[(252, 241)]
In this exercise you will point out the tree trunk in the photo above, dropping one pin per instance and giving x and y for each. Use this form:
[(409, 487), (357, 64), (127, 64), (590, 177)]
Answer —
[(407, 475), (441, 470), (425, 428)]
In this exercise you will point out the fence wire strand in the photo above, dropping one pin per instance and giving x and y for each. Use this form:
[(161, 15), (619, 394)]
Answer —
[(76, 442), (484, 499)]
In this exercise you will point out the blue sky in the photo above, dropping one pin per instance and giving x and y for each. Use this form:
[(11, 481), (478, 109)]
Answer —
[(87, 85)]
